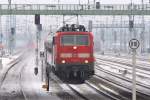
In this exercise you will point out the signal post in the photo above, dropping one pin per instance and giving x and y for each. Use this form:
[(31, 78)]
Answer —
[(134, 44), (37, 23)]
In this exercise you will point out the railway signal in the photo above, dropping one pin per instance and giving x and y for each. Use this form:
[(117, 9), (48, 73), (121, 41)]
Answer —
[(37, 19), (39, 28), (134, 44), (42, 63)]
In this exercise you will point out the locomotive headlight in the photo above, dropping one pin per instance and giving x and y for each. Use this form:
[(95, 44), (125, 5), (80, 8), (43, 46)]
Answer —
[(86, 61), (74, 47), (63, 61)]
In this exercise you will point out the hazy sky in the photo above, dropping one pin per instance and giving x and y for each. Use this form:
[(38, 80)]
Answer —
[(74, 1)]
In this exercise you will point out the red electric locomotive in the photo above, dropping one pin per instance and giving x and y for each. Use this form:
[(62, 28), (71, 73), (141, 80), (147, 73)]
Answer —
[(72, 53)]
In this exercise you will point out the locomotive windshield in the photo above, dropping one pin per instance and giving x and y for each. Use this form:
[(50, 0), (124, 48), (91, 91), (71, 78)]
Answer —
[(69, 40)]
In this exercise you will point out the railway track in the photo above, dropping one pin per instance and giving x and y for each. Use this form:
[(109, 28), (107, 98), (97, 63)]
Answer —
[(84, 91), (78, 93), (141, 65), (125, 67), (109, 88), (110, 64), (110, 94), (128, 56), (16, 78), (125, 91), (18, 92), (21, 84), (63, 90), (125, 83), (88, 92), (12, 64)]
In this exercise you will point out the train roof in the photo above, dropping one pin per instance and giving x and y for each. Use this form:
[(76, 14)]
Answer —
[(73, 32), (72, 28)]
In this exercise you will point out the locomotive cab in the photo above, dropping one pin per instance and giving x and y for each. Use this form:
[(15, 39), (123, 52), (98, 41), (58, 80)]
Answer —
[(75, 56)]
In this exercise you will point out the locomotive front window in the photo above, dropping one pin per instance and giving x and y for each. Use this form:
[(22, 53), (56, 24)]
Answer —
[(74, 40), (82, 40), (67, 40)]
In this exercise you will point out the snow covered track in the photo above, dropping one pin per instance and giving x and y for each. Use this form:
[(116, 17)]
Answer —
[(10, 88), (122, 67), (79, 91), (124, 84), (89, 92), (143, 65), (125, 76), (21, 84), (11, 65), (107, 93), (63, 90)]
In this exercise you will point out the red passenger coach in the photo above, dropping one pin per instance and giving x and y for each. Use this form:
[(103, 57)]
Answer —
[(72, 53)]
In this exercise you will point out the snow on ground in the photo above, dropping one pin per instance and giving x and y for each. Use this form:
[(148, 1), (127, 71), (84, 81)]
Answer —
[(10, 87), (21, 82), (7, 62), (145, 57), (142, 75), (32, 85)]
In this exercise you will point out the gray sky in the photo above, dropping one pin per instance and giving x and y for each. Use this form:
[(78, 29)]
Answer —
[(74, 1)]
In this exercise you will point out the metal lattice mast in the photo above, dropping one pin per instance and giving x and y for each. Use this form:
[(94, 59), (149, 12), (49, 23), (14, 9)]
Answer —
[(142, 35), (102, 41), (7, 33), (9, 26), (11, 30), (114, 36), (121, 36), (125, 41), (1, 34), (26, 28), (149, 36)]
